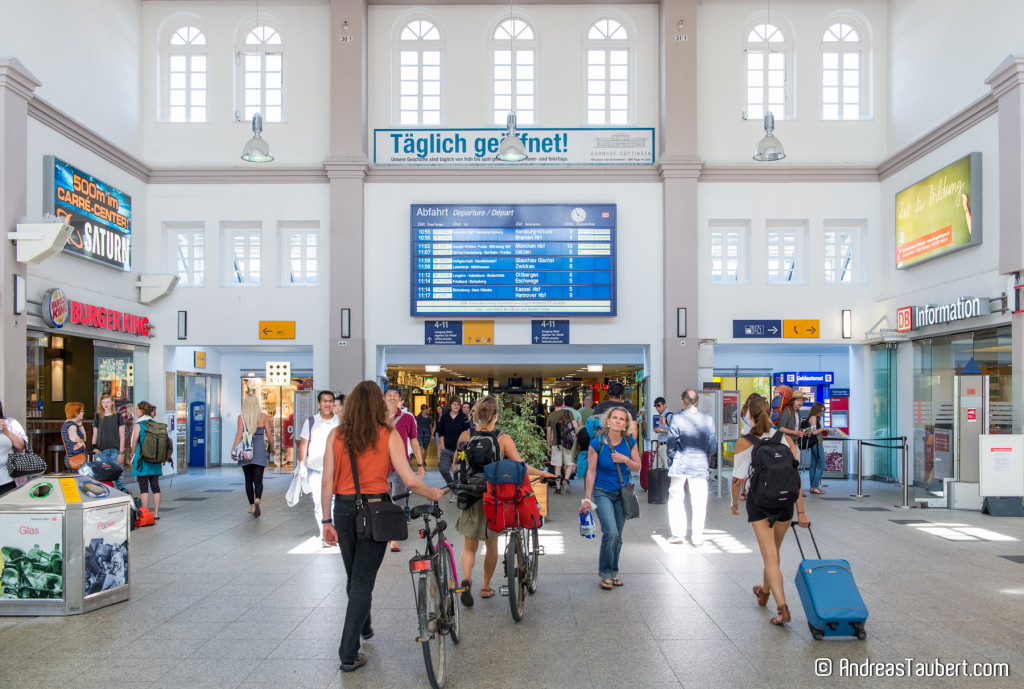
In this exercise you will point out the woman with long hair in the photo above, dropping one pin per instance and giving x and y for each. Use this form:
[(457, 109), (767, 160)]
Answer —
[(366, 437), (769, 528), (812, 442), (609, 454), (147, 473), (256, 423), (108, 435), (471, 523)]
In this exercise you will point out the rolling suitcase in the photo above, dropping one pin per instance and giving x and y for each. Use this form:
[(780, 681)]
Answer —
[(657, 482), (645, 464), (831, 601)]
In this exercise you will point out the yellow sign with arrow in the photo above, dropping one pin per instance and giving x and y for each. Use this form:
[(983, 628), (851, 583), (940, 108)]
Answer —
[(802, 329)]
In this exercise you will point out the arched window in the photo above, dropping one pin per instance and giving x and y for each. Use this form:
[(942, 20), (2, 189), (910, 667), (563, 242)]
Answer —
[(514, 65), (766, 69), (609, 73), (844, 59), (261, 73), (419, 73), (185, 75)]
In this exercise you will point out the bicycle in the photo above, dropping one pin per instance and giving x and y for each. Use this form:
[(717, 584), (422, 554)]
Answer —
[(522, 566), (435, 586)]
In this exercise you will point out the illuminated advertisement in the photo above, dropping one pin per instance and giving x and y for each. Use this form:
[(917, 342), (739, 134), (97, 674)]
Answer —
[(940, 214), (100, 214)]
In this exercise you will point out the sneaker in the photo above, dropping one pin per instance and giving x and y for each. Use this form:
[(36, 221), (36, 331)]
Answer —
[(355, 664)]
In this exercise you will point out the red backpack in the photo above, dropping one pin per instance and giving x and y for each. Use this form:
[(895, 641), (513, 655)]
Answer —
[(509, 501), (144, 517)]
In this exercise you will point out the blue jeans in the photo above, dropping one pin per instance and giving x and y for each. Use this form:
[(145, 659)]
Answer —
[(110, 457), (362, 560), (608, 506), (817, 464)]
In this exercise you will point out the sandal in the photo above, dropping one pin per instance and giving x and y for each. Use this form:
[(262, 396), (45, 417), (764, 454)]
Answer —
[(487, 593), (606, 584), (395, 548), (782, 617), (762, 595), (616, 582), (817, 491), (467, 593)]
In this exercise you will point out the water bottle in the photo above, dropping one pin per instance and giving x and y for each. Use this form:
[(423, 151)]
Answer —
[(587, 528)]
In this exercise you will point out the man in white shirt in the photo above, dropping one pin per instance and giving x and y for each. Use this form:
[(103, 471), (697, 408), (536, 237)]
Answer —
[(312, 445)]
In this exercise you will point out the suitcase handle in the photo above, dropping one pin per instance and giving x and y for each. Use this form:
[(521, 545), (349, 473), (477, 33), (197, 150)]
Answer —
[(793, 525)]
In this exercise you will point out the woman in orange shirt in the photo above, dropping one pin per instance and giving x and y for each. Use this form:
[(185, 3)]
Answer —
[(365, 431)]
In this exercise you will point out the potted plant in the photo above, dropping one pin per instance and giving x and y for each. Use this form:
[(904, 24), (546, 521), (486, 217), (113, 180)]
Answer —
[(517, 420)]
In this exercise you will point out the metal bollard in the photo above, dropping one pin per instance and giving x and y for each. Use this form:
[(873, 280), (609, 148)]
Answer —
[(906, 474), (860, 471)]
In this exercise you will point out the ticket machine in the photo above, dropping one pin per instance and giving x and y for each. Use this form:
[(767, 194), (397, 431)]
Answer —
[(197, 435), (814, 385)]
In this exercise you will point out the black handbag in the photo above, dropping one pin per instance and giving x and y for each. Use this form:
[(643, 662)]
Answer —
[(104, 471), (630, 503), (25, 463), (379, 521)]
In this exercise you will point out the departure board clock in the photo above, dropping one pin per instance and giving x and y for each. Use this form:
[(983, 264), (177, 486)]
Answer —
[(513, 260)]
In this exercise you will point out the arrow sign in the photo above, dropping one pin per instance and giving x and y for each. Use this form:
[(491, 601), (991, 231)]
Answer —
[(277, 330), (801, 329), (550, 332), (442, 332), (745, 330)]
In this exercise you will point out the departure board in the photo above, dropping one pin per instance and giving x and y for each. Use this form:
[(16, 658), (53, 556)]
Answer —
[(513, 260)]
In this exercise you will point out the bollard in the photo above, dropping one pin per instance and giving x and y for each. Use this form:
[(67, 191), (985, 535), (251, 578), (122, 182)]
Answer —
[(860, 471), (906, 475)]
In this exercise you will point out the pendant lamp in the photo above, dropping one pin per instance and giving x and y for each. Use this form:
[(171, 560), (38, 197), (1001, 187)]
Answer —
[(257, 150), (769, 148)]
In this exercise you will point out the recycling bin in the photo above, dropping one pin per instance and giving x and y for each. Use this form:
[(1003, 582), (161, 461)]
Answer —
[(63, 546)]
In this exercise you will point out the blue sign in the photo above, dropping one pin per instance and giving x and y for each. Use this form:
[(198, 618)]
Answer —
[(513, 260), (804, 378), (442, 333), (840, 392), (550, 332), (756, 329)]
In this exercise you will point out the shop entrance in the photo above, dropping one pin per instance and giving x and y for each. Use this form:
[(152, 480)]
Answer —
[(278, 401)]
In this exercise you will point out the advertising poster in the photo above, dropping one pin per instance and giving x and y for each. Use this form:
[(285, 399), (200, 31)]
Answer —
[(105, 534), (100, 214), (30, 552), (940, 214), (833, 456)]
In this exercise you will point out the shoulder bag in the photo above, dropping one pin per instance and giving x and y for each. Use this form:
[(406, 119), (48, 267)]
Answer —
[(25, 463), (630, 503), (379, 521)]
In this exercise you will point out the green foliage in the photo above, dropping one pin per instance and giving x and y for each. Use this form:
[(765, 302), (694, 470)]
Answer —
[(519, 422)]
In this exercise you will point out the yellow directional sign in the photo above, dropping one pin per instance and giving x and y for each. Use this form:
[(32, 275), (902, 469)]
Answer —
[(277, 330), (801, 329), (478, 332)]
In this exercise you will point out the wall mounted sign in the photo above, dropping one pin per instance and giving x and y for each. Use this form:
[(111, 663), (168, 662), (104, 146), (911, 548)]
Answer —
[(100, 214), (58, 310), (55, 308), (513, 260), (915, 317), (546, 147), (940, 214)]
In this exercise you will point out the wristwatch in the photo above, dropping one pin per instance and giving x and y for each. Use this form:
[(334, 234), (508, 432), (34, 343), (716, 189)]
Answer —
[(326, 521)]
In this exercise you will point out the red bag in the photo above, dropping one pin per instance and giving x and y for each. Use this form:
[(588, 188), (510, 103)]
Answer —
[(645, 466), (509, 501), (144, 517)]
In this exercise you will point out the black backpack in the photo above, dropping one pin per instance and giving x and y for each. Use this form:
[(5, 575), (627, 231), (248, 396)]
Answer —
[(582, 439), (481, 449), (774, 477)]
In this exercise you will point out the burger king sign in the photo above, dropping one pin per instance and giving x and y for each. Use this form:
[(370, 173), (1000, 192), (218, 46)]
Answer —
[(55, 308)]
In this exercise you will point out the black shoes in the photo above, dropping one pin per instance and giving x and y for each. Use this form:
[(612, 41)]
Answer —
[(256, 512), (355, 664), (367, 635), (467, 593)]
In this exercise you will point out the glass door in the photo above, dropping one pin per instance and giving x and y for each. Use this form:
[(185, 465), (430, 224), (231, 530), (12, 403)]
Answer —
[(883, 463), (213, 397)]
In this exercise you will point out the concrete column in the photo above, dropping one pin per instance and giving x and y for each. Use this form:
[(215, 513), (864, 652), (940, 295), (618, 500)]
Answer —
[(679, 161), (346, 169), (16, 88), (1007, 84)]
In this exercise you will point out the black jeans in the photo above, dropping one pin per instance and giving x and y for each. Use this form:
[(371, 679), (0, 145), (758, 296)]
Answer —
[(253, 482), (362, 560)]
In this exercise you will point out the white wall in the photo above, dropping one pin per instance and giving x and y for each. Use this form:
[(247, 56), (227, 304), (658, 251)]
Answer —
[(88, 57), (941, 53), (726, 138), (301, 140), (560, 29)]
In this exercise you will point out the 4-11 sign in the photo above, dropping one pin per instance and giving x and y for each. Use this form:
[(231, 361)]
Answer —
[(442, 332), (550, 332)]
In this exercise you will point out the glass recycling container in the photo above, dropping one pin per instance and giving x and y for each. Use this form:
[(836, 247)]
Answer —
[(63, 546)]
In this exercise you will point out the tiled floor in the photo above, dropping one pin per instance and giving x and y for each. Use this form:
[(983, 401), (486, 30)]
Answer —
[(220, 599)]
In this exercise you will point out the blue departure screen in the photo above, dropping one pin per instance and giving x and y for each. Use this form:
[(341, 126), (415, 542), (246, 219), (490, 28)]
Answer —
[(513, 260)]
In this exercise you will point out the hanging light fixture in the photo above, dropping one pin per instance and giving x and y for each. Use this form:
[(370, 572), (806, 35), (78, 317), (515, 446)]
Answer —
[(257, 150), (511, 148), (769, 148)]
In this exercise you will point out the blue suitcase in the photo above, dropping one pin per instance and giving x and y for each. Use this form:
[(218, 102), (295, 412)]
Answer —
[(831, 601)]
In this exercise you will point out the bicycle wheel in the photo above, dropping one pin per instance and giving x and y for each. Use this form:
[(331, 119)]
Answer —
[(450, 584), (428, 605), (515, 568), (534, 560)]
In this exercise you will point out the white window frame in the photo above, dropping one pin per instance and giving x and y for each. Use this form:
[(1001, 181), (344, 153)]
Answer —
[(732, 233), (285, 232), (627, 44), (419, 46), (525, 117), (173, 231), (253, 231), (791, 233), (861, 47), (784, 46), (853, 269), (190, 52), (271, 49)]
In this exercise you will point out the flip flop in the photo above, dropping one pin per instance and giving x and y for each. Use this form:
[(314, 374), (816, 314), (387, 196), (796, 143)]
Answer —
[(395, 548), (606, 584), (616, 582), (487, 593)]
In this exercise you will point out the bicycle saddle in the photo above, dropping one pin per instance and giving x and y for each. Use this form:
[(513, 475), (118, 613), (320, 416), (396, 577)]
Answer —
[(420, 510)]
